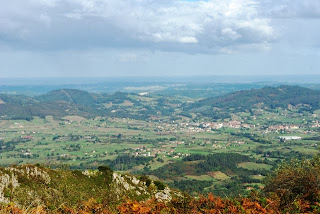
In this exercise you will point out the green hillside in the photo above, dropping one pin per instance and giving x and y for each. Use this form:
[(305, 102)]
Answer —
[(267, 98), (34, 185)]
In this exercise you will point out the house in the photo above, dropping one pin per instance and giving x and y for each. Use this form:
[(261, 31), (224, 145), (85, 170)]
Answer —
[(29, 137), (205, 125)]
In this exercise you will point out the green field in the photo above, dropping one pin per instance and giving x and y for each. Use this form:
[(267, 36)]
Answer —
[(149, 134)]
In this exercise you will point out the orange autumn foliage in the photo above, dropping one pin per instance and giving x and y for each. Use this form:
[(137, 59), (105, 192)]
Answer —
[(253, 204)]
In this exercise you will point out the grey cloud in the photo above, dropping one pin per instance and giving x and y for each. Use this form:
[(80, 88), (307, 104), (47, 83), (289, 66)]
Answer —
[(198, 26)]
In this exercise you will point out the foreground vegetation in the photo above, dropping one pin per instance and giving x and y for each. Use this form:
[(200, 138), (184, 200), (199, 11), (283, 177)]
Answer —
[(292, 188)]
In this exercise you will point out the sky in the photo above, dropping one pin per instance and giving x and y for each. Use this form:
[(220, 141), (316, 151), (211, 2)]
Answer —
[(117, 38)]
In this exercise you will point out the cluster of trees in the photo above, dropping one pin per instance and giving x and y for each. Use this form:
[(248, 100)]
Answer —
[(125, 162), (216, 162), (10, 145), (253, 137)]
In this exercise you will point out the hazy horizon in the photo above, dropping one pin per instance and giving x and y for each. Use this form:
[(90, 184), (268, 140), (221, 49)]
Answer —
[(155, 79)]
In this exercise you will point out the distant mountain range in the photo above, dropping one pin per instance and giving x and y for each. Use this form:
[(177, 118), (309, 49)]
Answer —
[(65, 102)]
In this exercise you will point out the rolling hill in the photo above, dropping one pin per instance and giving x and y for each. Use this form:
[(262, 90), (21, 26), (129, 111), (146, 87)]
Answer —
[(267, 98), (63, 102), (73, 96), (66, 102), (57, 103)]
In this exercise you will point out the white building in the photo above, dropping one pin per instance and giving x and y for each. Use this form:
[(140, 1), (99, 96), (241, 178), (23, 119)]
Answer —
[(290, 137)]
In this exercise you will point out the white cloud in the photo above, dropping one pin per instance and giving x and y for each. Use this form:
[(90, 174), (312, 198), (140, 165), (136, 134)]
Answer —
[(170, 25), (230, 34), (188, 39)]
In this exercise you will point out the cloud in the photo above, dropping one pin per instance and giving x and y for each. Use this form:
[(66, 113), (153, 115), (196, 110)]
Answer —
[(169, 25)]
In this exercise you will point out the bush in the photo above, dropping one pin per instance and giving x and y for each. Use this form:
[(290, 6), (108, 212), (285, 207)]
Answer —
[(107, 172), (296, 182), (159, 185)]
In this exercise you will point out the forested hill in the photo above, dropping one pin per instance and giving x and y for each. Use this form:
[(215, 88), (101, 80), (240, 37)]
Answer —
[(69, 95), (60, 103), (268, 97)]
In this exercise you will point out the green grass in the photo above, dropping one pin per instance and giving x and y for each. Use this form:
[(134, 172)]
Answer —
[(200, 177), (218, 175), (259, 177)]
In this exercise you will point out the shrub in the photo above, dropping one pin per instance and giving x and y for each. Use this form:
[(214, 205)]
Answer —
[(296, 183), (159, 185)]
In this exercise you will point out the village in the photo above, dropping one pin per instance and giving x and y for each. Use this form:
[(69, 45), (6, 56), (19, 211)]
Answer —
[(168, 139)]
